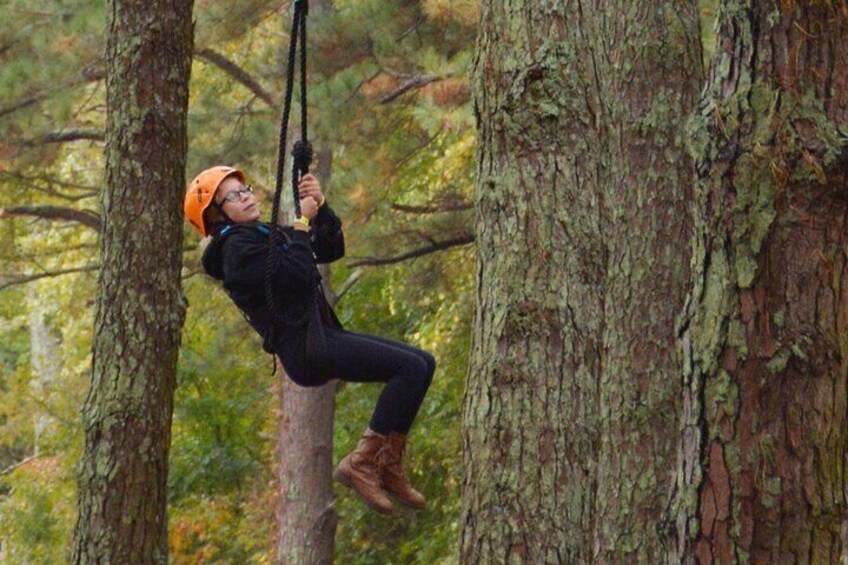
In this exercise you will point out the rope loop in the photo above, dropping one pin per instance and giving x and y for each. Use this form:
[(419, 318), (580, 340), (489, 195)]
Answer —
[(302, 153), (302, 158), (298, 35)]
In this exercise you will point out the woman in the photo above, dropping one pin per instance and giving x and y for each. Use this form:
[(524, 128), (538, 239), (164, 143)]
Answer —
[(305, 333)]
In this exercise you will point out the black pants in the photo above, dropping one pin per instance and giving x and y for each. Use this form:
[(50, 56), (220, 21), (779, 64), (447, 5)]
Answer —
[(360, 358)]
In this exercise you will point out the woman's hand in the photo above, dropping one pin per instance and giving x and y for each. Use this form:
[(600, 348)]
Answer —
[(308, 208), (309, 187)]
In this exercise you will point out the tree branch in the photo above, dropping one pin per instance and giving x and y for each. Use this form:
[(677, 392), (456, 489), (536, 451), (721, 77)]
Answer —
[(43, 178), (421, 19), (362, 83), (409, 156), (21, 104), (64, 136), (84, 217), (432, 209), (92, 72), (34, 183), (15, 280), (348, 284), (191, 267), (17, 464), (434, 246), (410, 84), (240, 75)]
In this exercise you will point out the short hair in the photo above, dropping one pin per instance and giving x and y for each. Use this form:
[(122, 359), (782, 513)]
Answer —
[(213, 219)]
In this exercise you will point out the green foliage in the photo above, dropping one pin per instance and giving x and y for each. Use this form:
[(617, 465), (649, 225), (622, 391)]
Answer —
[(222, 400), (36, 511), (434, 461)]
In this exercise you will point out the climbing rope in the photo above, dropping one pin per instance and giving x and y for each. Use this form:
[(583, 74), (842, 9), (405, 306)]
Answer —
[(301, 153)]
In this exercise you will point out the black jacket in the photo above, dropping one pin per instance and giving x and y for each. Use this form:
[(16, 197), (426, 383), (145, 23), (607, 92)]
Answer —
[(238, 255)]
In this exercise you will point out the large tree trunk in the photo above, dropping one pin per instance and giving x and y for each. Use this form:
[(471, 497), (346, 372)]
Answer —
[(140, 310), (573, 395), (306, 516), (763, 473)]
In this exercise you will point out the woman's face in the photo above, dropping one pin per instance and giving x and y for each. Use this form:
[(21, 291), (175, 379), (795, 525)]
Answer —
[(235, 199)]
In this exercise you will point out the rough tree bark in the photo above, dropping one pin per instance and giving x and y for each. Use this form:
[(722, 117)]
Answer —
[(762, 473), (140, 310), (573, 394), (306, 516)]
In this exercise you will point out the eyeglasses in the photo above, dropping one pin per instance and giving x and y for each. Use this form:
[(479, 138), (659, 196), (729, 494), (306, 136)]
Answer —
[(235, 195)]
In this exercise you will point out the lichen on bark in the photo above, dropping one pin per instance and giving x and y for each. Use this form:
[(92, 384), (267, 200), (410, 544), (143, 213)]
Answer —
[(765, 364), (140, 309), (572, 401)]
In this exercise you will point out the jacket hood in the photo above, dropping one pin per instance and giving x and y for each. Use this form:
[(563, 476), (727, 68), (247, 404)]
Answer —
[(213, 258)]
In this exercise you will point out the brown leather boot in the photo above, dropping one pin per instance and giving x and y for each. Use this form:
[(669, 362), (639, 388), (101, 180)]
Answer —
[(395, 480), (360, 471)]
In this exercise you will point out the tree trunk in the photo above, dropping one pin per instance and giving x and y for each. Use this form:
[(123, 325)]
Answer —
[(140, 310), (306, 516), (44, 347), (573, 396), (762, 475)]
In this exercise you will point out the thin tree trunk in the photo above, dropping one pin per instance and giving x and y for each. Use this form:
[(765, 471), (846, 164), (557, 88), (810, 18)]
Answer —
[(140, 310), (306, 516), (763, 477), (571, 409), (44, 360)]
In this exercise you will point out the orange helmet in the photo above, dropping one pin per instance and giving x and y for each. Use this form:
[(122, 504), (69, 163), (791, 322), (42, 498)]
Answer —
[(202, 190)]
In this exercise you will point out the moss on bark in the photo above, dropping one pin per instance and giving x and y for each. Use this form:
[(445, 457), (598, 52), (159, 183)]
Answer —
[(762, 338), (572, 402), (140, 309)]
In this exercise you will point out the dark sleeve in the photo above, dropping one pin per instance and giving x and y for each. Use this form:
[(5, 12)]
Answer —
[(327, 236), (245, 257)]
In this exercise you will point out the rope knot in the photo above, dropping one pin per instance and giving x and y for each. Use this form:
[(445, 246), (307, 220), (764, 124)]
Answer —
[(302, 154)]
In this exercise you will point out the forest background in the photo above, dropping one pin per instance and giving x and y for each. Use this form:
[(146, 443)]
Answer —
[(391, 117)]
